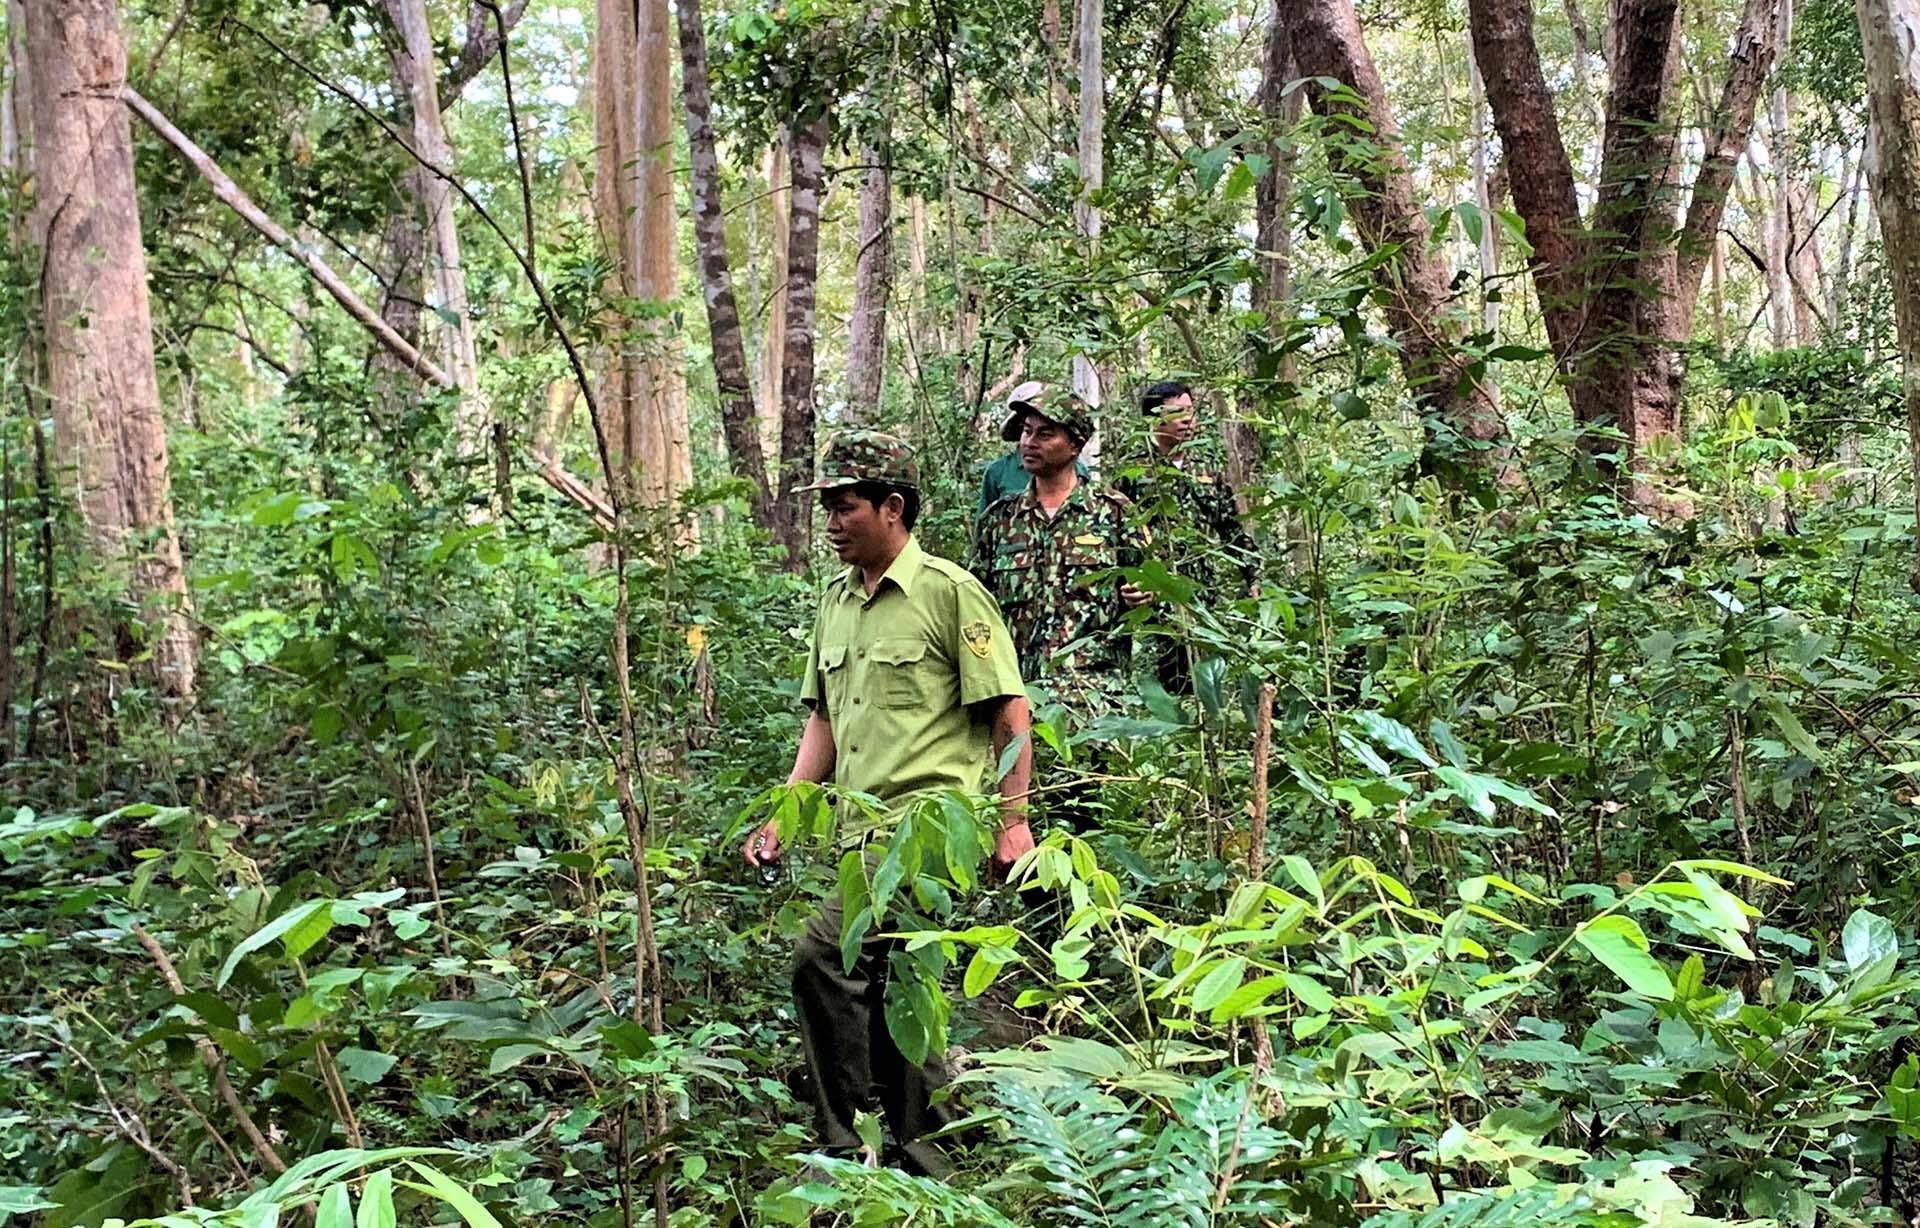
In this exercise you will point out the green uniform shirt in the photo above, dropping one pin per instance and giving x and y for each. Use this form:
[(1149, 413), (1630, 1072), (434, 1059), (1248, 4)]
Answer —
[(897, 673), (1006, 476)]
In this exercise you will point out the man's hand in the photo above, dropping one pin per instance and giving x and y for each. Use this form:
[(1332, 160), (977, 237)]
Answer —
[(763, 846), (1015, 842), (1134, 595)]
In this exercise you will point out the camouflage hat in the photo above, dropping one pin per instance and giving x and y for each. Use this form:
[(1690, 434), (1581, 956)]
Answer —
[(859, 455), (1033, 396)]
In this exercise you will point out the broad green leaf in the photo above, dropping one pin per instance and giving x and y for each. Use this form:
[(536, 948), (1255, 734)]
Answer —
[(276, 928), (376, 1202), (451, 1192), (1393, 735), (364, 1065), (336, 1211), (1312, 994), (1791, 729), (1734, 868), (1618, 943), (1870, 946), (21, 1200), (1219, 983)]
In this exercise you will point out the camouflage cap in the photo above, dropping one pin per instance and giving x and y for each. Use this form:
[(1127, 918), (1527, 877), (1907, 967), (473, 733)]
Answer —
[(1035, 397), (861, 455)]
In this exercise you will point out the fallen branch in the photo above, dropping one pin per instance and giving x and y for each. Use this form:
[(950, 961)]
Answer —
[(214, 1060), (235, 197)]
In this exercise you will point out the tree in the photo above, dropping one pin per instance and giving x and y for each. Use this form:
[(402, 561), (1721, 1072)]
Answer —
[(737, 410), (1617, 292), (105, 395), (1890, 41), (445, 274), (1089, 31), (633, 200), (872, 283), (806, 150), (1385, 208)]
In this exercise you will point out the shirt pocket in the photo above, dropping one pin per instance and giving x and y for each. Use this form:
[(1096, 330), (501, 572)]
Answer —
[(897, 677), (833, 672)]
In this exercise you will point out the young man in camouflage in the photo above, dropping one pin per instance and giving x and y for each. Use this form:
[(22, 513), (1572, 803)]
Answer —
[(1005, 476), (911, 687), (1183, 493), (1049, 557)]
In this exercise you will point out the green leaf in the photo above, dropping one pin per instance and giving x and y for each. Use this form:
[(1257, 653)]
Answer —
[(376, 1202), (21, 1200), (1870, 946), (311, 929), (364, 1065), (1312, 994), (1618, 943), (336, 1211), (1219, 983), (628, 1039), (449, 1191), (1393, 735), (273, 929), (506, 1057), (1791, 729)]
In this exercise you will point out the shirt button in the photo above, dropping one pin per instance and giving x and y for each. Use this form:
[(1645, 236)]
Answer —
[(856, 699)]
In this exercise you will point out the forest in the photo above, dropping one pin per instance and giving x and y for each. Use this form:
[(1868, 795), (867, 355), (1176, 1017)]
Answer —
[(408, 572)]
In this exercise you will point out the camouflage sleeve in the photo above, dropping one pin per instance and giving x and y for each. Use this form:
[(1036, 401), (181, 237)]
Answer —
[(986, 539)]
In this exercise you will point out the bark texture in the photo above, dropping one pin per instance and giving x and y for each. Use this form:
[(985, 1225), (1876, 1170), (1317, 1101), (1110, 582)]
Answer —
[(1890, 40), (1090, 38), (807, 147), (872, 284), (1387, 214), (446, 277), (737, 416), (1617, 291), (105, 396), (633, 199), (773, 322)]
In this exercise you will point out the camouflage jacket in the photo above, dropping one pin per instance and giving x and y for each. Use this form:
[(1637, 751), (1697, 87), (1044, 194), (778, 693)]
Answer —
[(1056, 581), (1195, 495)]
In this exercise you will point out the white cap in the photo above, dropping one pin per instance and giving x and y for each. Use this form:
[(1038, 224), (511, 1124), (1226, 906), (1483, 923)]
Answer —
[(1028, 393)]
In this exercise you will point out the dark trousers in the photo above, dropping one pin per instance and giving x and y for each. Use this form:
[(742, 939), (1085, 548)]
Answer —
[(843, 1027)]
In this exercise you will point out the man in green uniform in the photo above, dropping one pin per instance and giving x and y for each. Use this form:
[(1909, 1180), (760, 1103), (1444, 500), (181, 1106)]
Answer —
[(1049, 556), (911, 686), (1005, 476), (1184, 494)]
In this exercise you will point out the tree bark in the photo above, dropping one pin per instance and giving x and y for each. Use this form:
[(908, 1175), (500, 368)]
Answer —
[(1890, 43), (737, 415), (633, 198), (1487, 247), (1755, 45), (99, 328), (1273, 232), (1090, 34), (807, 144), (872, 284), (16, 96), (1386, 213), (446, 275), (773, 326)]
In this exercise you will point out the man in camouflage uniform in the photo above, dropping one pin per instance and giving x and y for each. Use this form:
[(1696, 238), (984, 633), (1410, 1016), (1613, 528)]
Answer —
[(911, 686), (1180, 489), (1005, 476), (1050, 554)]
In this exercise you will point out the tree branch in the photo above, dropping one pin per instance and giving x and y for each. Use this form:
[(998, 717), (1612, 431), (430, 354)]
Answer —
[(484, 40)]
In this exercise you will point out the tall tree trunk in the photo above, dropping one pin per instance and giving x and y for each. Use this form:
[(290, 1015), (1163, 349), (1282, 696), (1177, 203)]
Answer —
[(872, 283), (1386, 212), (1090, 32), (1755, 46), (1273, 232), (773, 328), (16, 95), (447, 279), (807, 145), (730, 376), (1890, 42), (634, 199), (99, 329)]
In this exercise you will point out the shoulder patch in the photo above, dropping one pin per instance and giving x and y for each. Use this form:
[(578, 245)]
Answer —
[(978, 636)]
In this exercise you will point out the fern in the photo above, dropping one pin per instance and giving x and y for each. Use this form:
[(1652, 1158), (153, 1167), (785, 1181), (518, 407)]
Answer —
[(1085, 1148), (1538, 1207), (880, 1196)]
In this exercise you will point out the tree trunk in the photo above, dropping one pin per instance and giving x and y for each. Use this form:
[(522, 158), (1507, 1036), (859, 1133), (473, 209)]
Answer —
[(1386, 212), (16, 96), (1755, 46), (1273, 234), (1090, 33), (99, 329), (872, 283), (807, 144), (773, 328), (1890, 42), (447, 279), (730, 376), (633, 198)]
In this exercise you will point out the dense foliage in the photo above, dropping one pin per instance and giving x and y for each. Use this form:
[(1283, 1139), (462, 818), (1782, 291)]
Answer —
[(1587, 891)]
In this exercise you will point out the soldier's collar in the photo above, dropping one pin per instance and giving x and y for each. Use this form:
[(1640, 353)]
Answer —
[(902, 571)]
